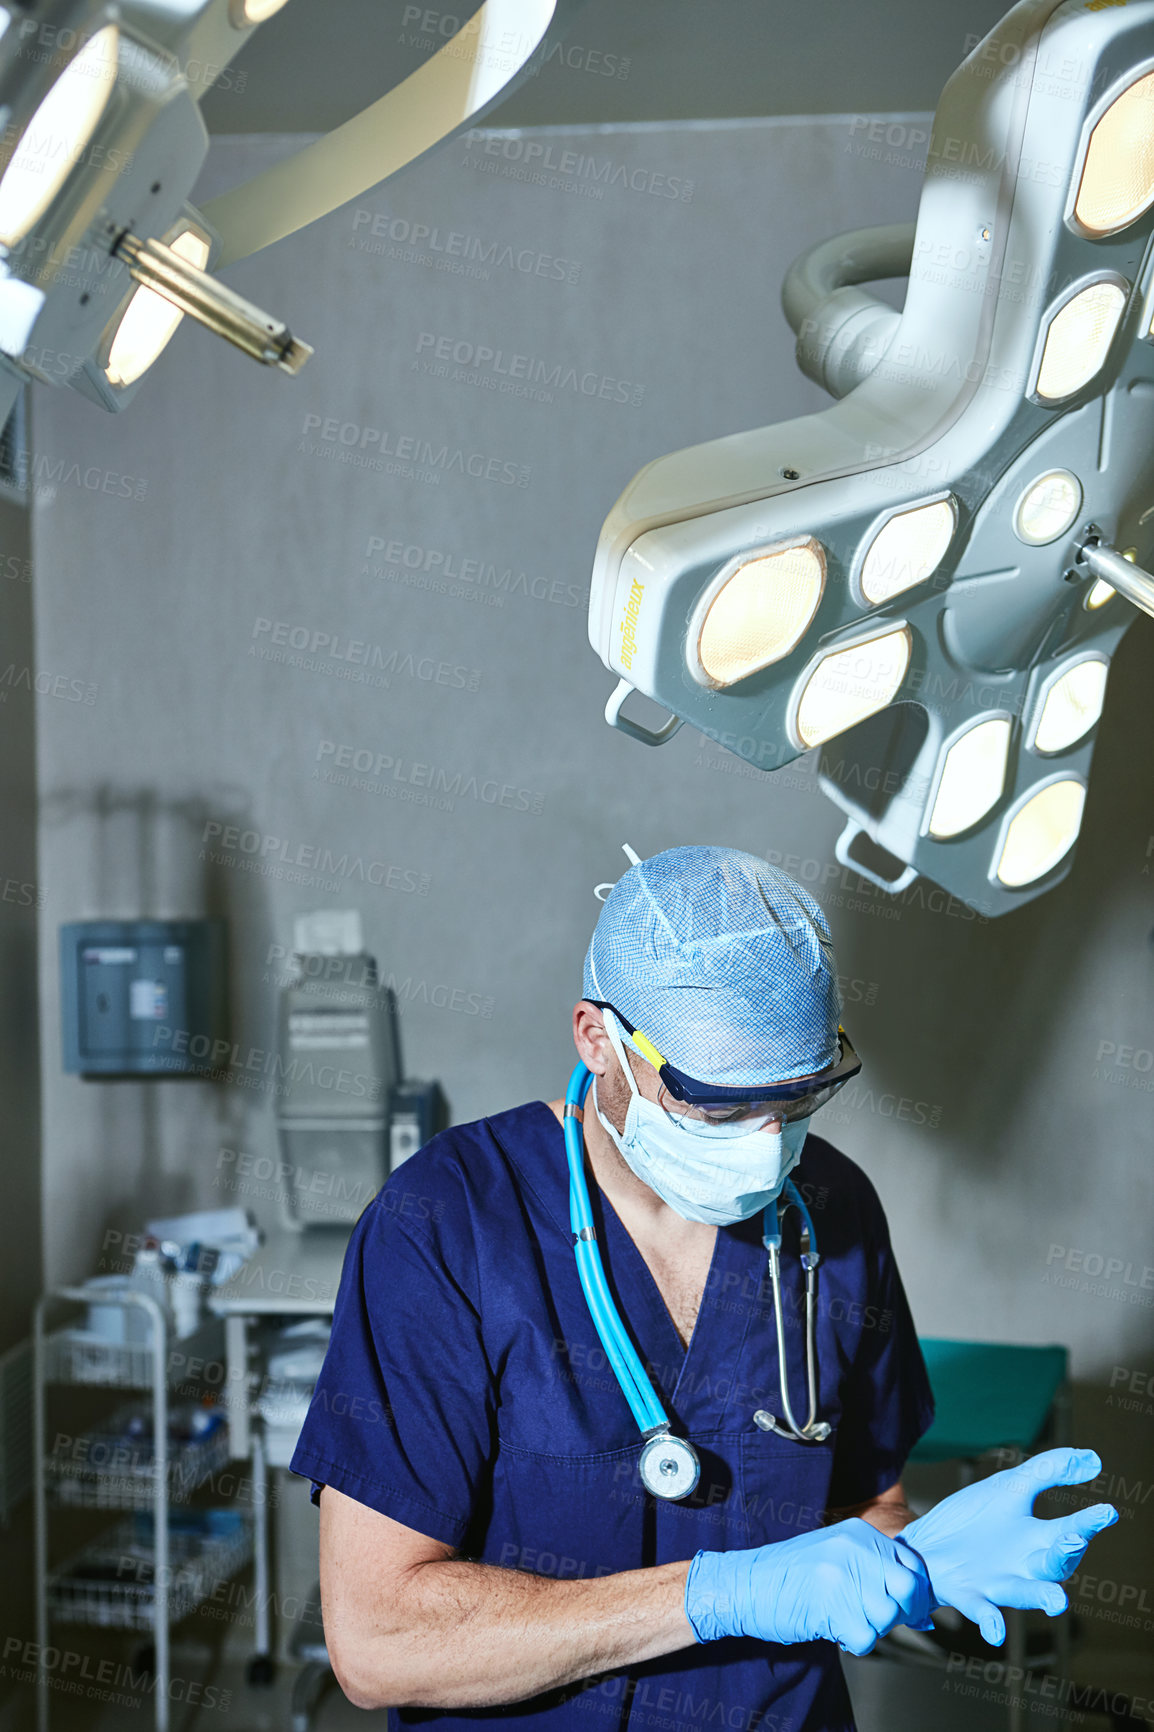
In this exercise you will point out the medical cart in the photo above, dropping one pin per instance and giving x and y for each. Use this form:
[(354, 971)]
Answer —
[(163, 1557)]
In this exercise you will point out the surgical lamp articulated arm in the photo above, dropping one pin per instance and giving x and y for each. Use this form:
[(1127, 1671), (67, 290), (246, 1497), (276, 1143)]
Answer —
[(218, 308), (1116, 569), (495, 50), (842, 331)]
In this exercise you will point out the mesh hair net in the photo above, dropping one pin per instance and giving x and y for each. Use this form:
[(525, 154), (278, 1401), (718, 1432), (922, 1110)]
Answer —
[(725, 963)]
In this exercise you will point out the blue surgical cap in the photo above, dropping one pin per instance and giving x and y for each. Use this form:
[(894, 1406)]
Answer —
[(725, 963)]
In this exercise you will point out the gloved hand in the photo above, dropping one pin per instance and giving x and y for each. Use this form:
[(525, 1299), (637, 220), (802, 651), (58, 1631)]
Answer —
[(847, 1583), (984, 1549)]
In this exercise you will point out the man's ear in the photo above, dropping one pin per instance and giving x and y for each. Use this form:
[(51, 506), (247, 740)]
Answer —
[(594, 1047)]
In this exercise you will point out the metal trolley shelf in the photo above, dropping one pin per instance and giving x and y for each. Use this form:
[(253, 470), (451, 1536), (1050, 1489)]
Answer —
[(115, 1467), (113, 1582), (78, 1356), (155, 1567)]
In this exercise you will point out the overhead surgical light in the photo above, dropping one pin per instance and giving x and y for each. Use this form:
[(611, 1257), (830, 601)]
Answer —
[(101, 142), (759, 612), (951, 662), (57, 135), (1077, 340)]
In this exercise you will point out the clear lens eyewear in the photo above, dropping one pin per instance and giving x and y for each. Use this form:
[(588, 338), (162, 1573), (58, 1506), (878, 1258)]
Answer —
[(788, 1111), (677, 1090)]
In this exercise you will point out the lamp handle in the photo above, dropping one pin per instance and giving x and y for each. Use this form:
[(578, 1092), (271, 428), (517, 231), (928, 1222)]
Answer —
[(892, 886), (637, 730)]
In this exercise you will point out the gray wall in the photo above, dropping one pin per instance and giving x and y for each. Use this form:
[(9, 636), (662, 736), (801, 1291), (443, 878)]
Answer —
[(21, 889), (21, 892), (319, 61), (993, 1128)]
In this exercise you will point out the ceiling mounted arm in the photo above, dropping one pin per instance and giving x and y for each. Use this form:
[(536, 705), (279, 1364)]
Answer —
[(492, 53)]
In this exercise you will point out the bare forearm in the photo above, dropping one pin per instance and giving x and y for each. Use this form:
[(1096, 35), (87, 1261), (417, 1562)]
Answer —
[(888, 1518), (889, 1512), (474, 1635)]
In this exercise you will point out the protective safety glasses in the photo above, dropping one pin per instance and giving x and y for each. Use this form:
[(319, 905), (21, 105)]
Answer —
[(796, 1098)]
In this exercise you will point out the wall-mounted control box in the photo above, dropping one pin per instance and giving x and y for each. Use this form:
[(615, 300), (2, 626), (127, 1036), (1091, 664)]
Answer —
[(143, 997)]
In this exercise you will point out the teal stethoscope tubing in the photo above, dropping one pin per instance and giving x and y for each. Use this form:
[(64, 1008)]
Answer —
[(622, 1355), (620, 1351)]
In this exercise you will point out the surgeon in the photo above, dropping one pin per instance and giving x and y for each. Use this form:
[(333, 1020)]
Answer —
[(490, 1553)]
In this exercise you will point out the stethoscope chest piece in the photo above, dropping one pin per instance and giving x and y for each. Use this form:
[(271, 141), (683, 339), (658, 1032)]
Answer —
[(669, 1466)]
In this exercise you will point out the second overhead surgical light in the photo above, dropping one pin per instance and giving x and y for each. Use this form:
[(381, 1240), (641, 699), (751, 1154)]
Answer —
[(58, 133), (102, 142)]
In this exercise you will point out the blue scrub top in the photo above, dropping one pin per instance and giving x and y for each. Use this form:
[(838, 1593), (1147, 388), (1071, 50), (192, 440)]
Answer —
[(465, 1393)]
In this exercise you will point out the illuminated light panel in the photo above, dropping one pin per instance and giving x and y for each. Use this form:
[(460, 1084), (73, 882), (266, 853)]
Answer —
[(906, 549), (761, 612), (1048, 507), (1098, 595), (246, 12), (1072, 706), (1041, 833), (850, 684), (149, 322), (56, 136), (972, 779), (1078, 339), (1117, 182)]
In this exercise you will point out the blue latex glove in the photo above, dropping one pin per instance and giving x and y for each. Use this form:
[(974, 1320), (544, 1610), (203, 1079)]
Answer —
[(984, 1549), (848, 1584)]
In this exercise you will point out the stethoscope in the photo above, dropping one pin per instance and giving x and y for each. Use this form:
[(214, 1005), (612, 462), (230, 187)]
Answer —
[(669, 1465)]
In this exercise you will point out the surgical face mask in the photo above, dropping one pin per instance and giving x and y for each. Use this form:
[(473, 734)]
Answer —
[(718, 1174)]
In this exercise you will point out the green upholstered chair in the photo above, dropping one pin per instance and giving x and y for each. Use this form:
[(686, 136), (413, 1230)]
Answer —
[(992, 1396)]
